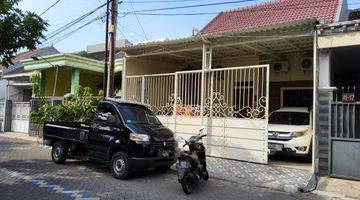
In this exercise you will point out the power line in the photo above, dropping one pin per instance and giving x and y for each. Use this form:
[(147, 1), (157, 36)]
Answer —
[(63, 37), (137, 18), (173, 14), (72, 23), (135, 33), (193, 6), (293, 6), (159, 1), (50, 7)]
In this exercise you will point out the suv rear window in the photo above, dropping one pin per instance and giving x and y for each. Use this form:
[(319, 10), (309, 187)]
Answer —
[(289, 118)]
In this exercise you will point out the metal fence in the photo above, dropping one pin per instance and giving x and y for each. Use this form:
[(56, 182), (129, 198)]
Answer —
[(235, 92), (238, 92), (344, 138), (230, 102), (345, 120), (155, 90)]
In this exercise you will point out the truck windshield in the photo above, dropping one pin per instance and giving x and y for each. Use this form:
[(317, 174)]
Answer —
[(289, 118), (136, 114)]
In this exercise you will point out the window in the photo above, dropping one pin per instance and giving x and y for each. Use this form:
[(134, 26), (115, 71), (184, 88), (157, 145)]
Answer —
[(137, 114), (104, 111)]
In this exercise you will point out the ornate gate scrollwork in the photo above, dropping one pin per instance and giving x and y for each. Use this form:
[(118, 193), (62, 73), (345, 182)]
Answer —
[(217, 106)]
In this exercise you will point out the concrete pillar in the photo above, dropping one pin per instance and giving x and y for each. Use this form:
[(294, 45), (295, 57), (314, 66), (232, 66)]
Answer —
[(323, 130), (323, 118), (8, 115), (123, 78), (324, 68), (75, 79)]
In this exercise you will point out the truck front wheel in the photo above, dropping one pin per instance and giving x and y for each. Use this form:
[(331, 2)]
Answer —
[(59, 152), (120, 165)]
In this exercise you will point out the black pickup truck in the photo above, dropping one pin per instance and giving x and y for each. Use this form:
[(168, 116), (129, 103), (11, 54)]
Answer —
[(126, 136)]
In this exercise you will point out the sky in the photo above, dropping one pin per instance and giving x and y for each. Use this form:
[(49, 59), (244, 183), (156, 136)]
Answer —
[(151, 28)]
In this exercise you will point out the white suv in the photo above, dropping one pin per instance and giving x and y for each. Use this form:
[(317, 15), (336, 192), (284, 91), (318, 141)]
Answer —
[(290, 132)]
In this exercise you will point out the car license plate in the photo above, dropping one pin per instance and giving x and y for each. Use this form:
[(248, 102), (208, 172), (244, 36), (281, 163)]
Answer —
[(165, 154), (276, 147)]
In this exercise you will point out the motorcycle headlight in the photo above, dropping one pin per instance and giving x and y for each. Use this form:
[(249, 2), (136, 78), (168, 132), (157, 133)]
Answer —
[(139, 137), (298, 134)]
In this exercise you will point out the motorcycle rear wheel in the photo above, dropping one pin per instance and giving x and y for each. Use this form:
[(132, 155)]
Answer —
[(205, 175), (187, 187)]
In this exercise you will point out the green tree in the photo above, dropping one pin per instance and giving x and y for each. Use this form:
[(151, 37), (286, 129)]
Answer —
[(18, 30)]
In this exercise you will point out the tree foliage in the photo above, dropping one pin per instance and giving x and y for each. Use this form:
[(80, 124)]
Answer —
[(80, 108), (35, 80), (18, 30)]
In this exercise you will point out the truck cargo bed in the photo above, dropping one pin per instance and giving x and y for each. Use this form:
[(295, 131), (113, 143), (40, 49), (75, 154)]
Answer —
[(77, 132)]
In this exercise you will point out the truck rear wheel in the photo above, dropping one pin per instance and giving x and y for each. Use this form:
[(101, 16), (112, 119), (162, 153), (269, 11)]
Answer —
[(59, 152), (120, 165)]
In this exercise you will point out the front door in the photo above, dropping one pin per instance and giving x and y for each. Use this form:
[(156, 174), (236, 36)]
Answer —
[(102, 132)]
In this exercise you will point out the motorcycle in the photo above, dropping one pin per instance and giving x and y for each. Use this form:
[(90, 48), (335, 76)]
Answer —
[(191, 166)]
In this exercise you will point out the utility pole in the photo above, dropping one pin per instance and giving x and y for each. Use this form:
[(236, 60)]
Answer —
[(112, 48), (106, 61)]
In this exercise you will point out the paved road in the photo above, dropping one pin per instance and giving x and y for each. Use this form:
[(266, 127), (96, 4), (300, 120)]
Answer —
[(27, 172)]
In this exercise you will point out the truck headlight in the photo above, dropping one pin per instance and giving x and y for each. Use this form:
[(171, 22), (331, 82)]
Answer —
[(139, 137), (298, 134)]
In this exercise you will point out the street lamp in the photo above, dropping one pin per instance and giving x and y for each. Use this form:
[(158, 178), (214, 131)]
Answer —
[(56, 73)]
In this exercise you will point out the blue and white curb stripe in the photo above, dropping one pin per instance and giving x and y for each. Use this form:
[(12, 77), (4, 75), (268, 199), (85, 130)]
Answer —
[(76, 194)]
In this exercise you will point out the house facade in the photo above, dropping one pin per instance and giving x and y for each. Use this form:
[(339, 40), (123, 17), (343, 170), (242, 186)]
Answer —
[(60, 74), (240, 67), (338, 99)]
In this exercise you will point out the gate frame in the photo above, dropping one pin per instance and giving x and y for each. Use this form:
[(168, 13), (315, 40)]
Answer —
[(264, 81), (342, 138)]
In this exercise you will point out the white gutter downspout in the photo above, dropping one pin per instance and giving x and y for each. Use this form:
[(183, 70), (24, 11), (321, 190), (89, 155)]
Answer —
[(313, 182), (315, 159)]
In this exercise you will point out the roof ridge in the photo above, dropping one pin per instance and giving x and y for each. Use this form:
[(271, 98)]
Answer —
[(272, 12), (253, 6)]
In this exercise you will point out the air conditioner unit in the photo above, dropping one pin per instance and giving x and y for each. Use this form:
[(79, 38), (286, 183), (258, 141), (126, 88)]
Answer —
[(306, 63), (281, 66)]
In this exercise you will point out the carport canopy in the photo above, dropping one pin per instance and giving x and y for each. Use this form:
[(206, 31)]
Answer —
[(271, 43)]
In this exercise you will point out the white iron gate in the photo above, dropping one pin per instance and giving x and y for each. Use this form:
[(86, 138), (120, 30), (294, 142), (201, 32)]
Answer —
[(231, 103), (345, 140), (20, 117)]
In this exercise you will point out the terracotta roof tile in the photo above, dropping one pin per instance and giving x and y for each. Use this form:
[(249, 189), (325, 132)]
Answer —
[(273, 12)]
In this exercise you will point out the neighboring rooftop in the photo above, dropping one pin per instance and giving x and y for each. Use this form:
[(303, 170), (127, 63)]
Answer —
[(276, 12), (97, 51), (95, 48), (18, 67)]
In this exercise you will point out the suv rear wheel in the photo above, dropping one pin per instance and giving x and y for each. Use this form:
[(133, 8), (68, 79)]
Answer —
[(59, 152), (120, 165)]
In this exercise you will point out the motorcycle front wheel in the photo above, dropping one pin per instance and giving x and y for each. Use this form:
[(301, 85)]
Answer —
[(187, 187)]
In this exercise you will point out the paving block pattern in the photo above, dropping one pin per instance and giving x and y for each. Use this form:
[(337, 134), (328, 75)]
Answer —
[(281, 178), (27, 172)]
